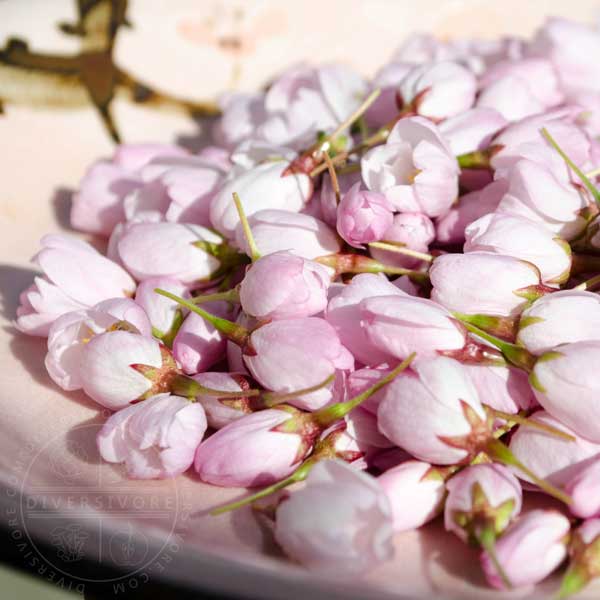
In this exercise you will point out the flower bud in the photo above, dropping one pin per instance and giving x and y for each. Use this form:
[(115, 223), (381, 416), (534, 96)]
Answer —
[(343, 312), (363, 216), (398, 325), (483, 283), (299, 234), (260, 188), (529, 550), (584, 488), (555, 459), (340, 522), (284, 286), (156, 438), (566, 385), (151, 250), (416, 493), (119, 367), (434, 413), (524, 239), (438, 90), (481, 498), (252, 451), (560, 318)]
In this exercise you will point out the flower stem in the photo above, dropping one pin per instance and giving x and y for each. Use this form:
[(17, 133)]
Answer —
[(334, 180), (487, 540), (236, 333), (584, 179), (573, 581), (589, 284), (254, 253), (401, 249), (357, 263), (525, 422), (498, 451), (182, 385), (231, 295), (330, 414), (299, 474), (270, 399), (516, 355)]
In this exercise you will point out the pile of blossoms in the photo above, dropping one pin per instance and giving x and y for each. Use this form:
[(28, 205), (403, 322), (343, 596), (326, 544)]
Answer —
[(370, 301)]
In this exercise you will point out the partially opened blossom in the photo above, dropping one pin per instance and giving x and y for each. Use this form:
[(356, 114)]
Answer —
[(259, 188), (450, 228), (163, 314), (251, 451), (519, 237), (554, 458), (416, 493), (562, 317), (537, 194), (198, 345), (156, 438), (483, 283), (299, 234), (415, 168), (344, 313), (519, 89), (75, 276), (119, 367), (530, 549), (584, 489), (340, 522), (293, 354), (282, 285), (566, 385), (328, 201), (70, 333), (399, 325), (414, 231), (438, 90), (434, 413), (363, 216), (482, 499), (151, 250)]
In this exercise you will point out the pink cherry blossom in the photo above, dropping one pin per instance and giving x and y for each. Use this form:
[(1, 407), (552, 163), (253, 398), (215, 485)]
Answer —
[(416, 493), (433, 412), (299, 234), (284, 286), (72, 331), (75, 276), (530, 549), (415, 168), (340, 522), (363, 216), (250, 451), (472, 129), (584, 489), (156, 438), (482, 283)]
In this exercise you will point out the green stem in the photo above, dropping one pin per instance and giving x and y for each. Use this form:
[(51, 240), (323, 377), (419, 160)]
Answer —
[(498, 451), (479, 159), (231, 295), (516, 355), (299, 474), (236, 333), (330, 414), (356, 263), (573, 581), (525, 422), (254, 252), (584, 179), (401, 249), (270, 399), (589, 284), (334, 180), (487, 540), (185, 386)]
